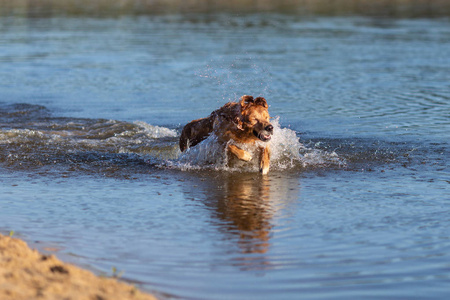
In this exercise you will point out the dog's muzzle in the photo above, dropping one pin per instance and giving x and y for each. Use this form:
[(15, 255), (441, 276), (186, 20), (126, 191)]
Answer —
[(266, 134)]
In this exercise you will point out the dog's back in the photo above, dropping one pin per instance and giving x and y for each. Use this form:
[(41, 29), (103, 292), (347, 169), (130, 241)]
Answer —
[(195, 132), (198, 130)]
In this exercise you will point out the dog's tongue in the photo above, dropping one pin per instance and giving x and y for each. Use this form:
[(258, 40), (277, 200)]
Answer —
[(266, 137)]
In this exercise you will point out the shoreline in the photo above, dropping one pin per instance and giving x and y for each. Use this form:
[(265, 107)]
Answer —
[(26, 273), (394, 8)]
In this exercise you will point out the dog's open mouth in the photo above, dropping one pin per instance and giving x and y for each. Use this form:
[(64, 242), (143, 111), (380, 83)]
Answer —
[(263, 136)]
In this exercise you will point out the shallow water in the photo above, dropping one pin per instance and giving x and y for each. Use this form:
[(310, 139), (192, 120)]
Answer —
[(355, 206)]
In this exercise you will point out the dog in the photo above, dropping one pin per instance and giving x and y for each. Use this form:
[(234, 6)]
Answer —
[(237, 125)]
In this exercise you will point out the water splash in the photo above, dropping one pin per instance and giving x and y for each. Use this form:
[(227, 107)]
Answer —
[(287, 153)]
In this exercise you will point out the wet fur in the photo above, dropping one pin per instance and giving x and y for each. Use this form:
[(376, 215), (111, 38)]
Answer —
[(235, 124)]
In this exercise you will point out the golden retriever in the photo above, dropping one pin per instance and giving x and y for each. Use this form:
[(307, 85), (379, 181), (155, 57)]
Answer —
[(237, 125)]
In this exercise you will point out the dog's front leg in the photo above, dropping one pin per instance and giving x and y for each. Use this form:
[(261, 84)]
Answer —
[(241, 154), (265, 160)]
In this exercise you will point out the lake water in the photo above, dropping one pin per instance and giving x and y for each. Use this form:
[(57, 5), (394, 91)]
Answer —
[(356, 205)]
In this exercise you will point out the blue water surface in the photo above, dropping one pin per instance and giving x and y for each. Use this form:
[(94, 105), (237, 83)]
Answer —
[(85, 169)]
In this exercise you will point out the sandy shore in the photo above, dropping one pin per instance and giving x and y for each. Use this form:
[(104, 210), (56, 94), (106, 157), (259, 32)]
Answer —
[(27, 274)]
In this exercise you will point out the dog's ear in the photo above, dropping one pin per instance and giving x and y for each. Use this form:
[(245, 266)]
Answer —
[(261, 101), (236, 120), (239, 123), (246, 101)]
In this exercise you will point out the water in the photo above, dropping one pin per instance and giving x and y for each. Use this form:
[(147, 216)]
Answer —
[(356, 204)]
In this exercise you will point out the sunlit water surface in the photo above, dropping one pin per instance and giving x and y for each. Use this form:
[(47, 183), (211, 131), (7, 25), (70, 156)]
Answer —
[(356, 205)]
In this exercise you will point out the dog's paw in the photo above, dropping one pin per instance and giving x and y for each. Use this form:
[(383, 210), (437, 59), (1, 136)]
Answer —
[(264, 170), (239, 153), (246, 156)]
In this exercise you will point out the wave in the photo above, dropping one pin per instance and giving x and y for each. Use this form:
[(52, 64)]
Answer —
[(31, 137)]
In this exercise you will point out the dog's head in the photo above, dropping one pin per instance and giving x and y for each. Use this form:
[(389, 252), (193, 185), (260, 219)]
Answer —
[(255, 117)]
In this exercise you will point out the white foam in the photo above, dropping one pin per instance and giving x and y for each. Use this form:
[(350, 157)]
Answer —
[(155, 132), (207, 154), (285, 146)]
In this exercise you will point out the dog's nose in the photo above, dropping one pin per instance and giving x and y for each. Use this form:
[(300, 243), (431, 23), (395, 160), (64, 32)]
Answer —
[(269, 128)]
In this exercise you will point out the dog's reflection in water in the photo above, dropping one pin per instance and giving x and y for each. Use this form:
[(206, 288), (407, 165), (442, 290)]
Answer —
[(245, 206), (245, 203)]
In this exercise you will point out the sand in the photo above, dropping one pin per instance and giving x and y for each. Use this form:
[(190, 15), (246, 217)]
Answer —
[(27, 274)]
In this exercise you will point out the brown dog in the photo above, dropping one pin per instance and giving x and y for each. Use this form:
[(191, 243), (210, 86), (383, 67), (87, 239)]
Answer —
[(237, 125)]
